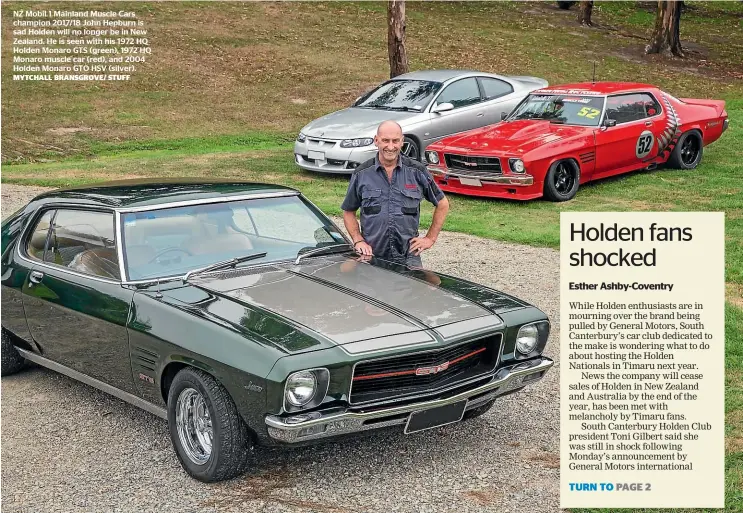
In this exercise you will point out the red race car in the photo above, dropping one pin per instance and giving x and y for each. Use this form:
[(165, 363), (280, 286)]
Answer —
[(560, 137)]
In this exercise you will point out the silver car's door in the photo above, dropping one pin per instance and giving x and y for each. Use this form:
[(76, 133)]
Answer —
[(499, 98), (468, 111)]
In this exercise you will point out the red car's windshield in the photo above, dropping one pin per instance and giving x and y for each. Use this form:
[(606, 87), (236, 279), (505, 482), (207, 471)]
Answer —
[(567, 109)]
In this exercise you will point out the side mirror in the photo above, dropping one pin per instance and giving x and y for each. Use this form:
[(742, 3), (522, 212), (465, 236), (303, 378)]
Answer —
[(610, 122), (443, 107), (503, 115)]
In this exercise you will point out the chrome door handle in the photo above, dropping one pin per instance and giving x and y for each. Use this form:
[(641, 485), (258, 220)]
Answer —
[(648, 123), (481, 114), (36, 277)]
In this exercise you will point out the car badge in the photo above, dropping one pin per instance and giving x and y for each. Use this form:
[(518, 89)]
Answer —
[(470, 164), (425, 371)]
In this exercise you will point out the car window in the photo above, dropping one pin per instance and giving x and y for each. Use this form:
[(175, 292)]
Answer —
[(172, 241), (631, 107), (400, 95), (84, 241), (557, 108), (461, 93), (37, 242), (494, 88)]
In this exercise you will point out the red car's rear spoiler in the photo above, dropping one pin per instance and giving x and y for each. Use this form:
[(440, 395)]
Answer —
[(718, 105)]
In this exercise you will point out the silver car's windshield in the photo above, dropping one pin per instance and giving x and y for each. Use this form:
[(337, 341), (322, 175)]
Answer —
[(567, 109), (413, 95), (172, 241)]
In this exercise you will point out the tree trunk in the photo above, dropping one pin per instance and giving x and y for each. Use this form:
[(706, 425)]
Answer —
[(584, 14), (396, 37), (665, 38)]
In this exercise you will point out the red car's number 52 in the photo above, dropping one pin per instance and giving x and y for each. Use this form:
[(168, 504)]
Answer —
[(644, 144), (588, 112)]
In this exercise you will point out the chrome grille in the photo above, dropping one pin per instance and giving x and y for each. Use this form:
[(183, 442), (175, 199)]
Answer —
[(425, 372), (468, 165)]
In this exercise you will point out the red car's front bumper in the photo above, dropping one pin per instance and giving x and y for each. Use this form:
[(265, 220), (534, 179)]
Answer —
[(519, 187)]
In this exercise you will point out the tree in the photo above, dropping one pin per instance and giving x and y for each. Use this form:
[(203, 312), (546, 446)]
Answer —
[(665, 38), (396, 37), (584, 14)]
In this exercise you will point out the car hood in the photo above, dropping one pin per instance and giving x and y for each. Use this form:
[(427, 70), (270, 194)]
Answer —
[(513, 136), (337, 301), (354, 122)]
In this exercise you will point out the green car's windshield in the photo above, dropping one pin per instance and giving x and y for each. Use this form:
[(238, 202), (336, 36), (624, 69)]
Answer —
[(172, 241), (567, 109)]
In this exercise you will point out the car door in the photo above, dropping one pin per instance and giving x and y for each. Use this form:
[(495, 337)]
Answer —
[(633, 141), (468, 111), (498, 98), (75, 306)]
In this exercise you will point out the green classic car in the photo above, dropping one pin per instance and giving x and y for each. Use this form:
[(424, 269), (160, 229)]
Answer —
[(240, 313)]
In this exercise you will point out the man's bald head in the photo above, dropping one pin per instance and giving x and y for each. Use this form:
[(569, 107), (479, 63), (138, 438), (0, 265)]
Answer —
[(389, 127), (389, 140)]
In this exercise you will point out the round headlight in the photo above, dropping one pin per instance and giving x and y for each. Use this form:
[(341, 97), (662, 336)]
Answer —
[(526, 339), (517, 165), (301, 388), (432, 157)]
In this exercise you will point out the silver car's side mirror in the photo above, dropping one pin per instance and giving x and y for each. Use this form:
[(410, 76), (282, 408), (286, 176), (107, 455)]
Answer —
[(443, 107), (503, 115)]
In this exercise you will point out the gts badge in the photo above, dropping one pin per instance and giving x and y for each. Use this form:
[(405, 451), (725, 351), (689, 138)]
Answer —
[(148, 379), (253, 388)]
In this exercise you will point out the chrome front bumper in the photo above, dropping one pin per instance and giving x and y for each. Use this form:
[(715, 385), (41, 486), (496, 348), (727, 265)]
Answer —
[(341, 421), (522, 180)]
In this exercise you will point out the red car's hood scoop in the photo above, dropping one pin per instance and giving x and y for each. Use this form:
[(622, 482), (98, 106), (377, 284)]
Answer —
[(513, 136)]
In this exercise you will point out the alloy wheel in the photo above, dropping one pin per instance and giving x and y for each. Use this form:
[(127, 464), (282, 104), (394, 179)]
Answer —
[(410, 150), (689, 150), (564, 179)]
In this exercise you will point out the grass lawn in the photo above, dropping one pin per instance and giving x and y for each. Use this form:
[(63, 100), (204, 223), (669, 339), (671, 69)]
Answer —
[(228, 86)]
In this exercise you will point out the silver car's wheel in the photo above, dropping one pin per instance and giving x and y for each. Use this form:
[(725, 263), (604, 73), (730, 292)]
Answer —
[(194, 426), (410, 149)]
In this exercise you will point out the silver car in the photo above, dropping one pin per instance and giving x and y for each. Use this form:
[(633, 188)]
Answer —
[(429, 105)]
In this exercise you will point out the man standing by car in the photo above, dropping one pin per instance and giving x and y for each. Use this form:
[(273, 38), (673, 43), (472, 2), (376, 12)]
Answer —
[(389, 190)]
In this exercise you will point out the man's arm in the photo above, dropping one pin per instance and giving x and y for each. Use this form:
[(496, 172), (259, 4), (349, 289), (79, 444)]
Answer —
[(439, 216), (352, 227), (420, 244)]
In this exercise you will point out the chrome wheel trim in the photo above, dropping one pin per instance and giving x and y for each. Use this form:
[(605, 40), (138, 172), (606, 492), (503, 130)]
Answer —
[(194, 425), (689, 150), (564, 179)]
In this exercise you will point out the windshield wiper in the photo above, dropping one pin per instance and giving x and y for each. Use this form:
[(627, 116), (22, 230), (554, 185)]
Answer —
[(403, 108), (320, 250), (232, 262)]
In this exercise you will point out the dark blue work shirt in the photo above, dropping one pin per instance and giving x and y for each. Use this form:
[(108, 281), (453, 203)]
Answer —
[(390, 209)]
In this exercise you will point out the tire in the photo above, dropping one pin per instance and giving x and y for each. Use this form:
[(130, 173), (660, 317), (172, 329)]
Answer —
[(213, 419), (562, 181), (565, 5), (12, 362), (687, 154), (411, 149), (480, 410)]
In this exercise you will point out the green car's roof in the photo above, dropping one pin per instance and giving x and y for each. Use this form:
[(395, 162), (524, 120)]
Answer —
[(152, 192)]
